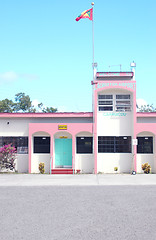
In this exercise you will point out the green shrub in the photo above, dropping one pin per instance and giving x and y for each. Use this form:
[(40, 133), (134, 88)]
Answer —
[(41, 168), (146, 168)]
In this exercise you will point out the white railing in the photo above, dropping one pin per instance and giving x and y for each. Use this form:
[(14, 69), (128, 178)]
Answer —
[(51, 158), (73, 161)]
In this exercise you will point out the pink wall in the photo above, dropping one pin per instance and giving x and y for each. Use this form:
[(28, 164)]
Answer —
[(52, 129), (145, 127)]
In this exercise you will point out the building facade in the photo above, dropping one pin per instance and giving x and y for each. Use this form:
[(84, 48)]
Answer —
[(113, 136)]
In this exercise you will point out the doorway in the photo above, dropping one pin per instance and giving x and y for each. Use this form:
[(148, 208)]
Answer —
[(63, 153)]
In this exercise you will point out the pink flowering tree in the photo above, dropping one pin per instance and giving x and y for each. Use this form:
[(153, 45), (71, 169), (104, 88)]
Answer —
[(7, 157)]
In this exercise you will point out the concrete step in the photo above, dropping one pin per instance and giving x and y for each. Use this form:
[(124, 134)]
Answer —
[(62, 171)]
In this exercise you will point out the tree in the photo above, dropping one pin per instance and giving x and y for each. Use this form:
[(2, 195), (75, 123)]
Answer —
[(7, 105), (147, 108), (49, 110), (23, 104)]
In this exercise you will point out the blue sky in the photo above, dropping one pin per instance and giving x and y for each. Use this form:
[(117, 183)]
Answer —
[(45, 53)]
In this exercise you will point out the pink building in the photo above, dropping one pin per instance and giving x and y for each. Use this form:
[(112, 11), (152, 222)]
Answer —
[(113, 135)]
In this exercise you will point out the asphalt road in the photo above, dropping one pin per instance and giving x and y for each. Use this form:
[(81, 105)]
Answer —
[(78, 212)]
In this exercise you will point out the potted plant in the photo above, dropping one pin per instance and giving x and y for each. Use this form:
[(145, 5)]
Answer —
[(146, 168), (115, 169)]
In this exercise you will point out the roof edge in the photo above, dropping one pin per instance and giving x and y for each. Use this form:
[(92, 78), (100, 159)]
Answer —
[(47, 115), (146, 114)]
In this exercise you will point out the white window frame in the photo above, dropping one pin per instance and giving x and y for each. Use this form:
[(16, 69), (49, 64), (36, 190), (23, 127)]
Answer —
[(105, 101), (118, 103), (123, 103)]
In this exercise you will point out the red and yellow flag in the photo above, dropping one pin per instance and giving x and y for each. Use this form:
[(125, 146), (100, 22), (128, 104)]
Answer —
[(86, 14)]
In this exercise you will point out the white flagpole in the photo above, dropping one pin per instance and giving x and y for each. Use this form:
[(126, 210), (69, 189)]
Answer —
[(93, 82), (93, 37), (93, 64)]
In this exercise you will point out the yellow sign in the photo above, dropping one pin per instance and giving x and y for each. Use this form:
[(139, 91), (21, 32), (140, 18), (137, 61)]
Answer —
[(62, 127), (63, 137)]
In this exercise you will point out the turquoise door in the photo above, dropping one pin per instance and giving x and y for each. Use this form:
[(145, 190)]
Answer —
[(63, 152)]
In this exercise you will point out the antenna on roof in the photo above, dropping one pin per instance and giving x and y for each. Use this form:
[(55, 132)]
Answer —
[(115, 66), (133, 66)]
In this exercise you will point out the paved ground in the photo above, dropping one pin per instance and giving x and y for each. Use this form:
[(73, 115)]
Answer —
[(78, 212), (80, 207), (81, 179)]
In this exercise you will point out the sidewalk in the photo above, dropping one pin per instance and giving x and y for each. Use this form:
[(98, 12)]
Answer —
[(77, 180)]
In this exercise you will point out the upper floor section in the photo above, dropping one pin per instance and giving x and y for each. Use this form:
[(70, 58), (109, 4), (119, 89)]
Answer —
[(114, 76), (114, 80)]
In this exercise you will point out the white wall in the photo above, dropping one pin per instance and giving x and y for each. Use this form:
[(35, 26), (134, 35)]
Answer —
[(107, 162), (115, 124), (16, 127), (36, 159), (22, 163), (144, 158), (84, 162), (154, 163)]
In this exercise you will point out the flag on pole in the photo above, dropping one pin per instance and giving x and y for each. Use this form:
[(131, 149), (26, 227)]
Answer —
[(86, 14)]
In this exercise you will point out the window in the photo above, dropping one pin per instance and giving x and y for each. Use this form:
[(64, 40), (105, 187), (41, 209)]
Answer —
[(105, 144), (10, 140), (20, 143), (114, 144), (145, 145), (123, 144), (123, 103), (84, 145), (42, 144), (105, 102)]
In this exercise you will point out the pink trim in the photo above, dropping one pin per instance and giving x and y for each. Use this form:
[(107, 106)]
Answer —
[(95, 132), (134, 130), (73, 152), (114, 74), (46, 115), (146, 114), (30, 151), (51, 151)]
